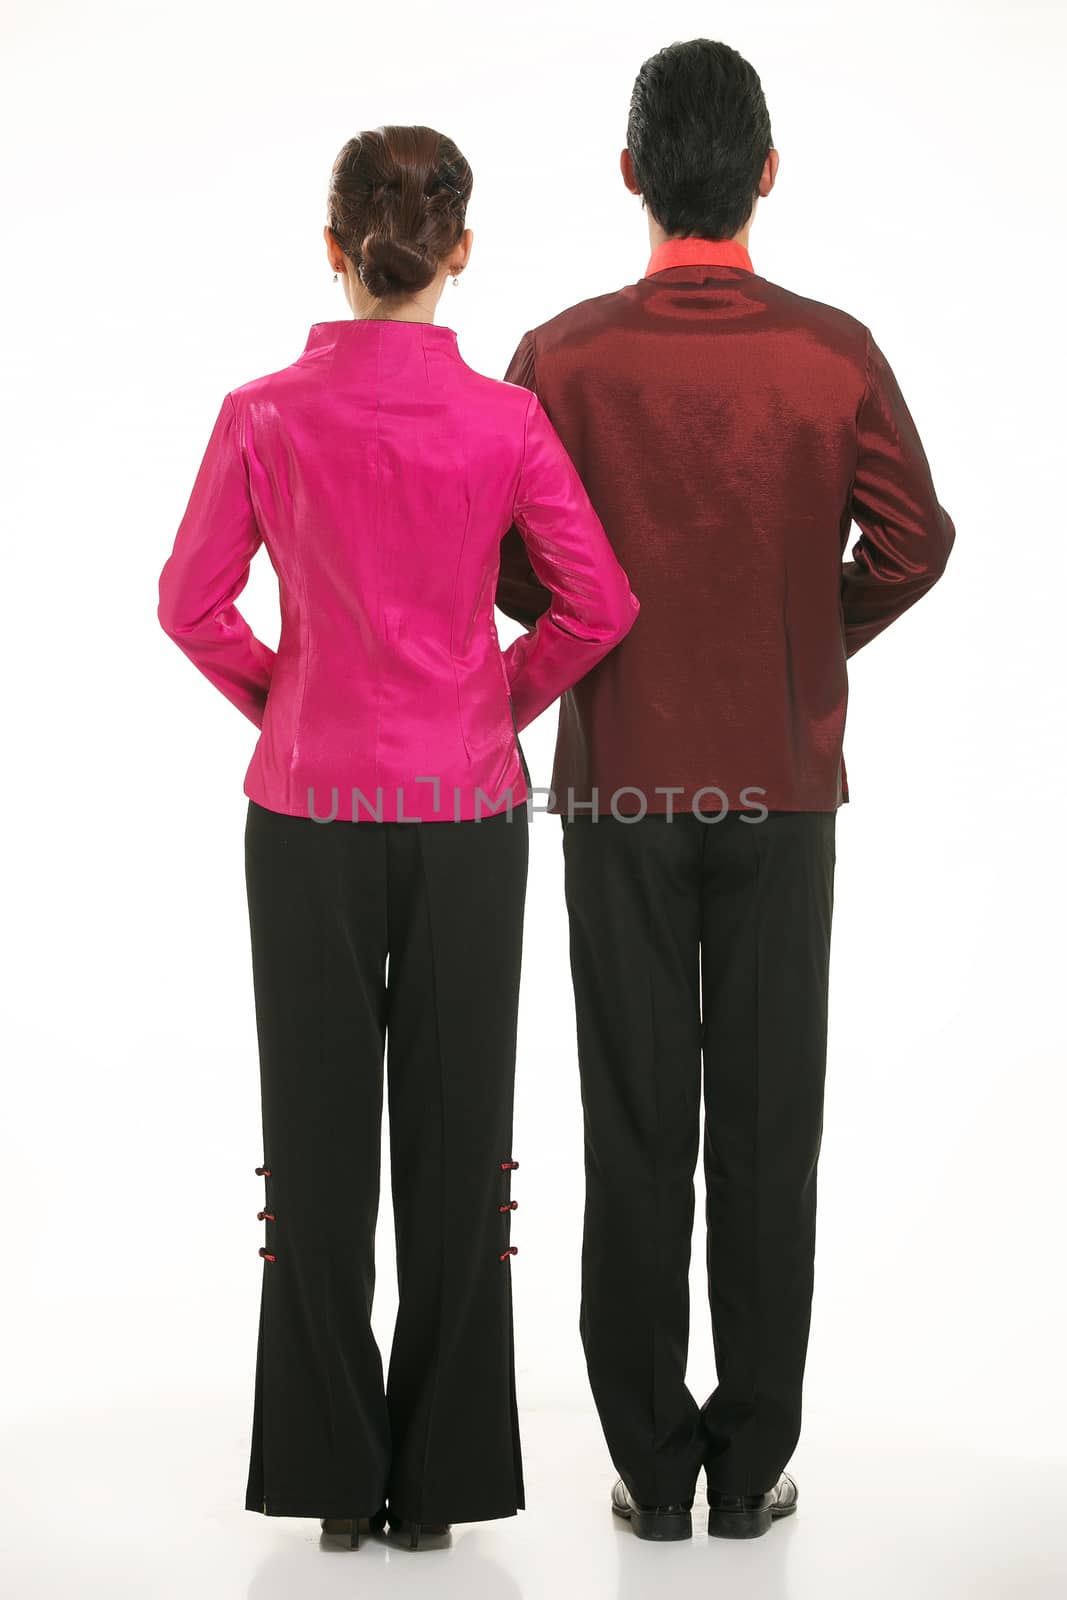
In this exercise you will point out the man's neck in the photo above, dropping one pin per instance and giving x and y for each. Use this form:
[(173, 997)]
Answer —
[(657, 235)]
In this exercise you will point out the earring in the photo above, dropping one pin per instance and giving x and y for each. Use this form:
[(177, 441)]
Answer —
[(335, 277), (455, 280)]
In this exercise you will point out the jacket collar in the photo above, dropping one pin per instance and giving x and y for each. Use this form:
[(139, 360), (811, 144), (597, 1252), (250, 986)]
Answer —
[(362, 331), (698, 253)]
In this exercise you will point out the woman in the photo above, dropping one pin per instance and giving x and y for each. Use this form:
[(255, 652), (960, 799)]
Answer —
[(381, 473)]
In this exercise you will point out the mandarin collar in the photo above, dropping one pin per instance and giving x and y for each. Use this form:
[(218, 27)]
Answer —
[(698, 253), (355, 330)]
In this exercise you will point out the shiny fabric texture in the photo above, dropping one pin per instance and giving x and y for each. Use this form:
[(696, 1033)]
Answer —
[(729, 433), (381, 473)]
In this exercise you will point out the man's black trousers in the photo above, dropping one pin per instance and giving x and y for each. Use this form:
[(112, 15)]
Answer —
[(330, 904), (700, 943)]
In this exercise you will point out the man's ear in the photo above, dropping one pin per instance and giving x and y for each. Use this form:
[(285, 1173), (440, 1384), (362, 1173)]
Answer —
[(626, 167), (769, 173)]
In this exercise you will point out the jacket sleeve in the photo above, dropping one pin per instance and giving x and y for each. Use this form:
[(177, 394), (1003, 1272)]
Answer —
[(906, 536), (591, 606), (207, 569), (519, 593)]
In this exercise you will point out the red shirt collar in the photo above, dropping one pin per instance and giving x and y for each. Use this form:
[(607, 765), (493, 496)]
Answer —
[(698, 253)]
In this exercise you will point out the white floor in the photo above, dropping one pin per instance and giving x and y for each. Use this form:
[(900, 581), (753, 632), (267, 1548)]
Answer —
[(147, 1502)]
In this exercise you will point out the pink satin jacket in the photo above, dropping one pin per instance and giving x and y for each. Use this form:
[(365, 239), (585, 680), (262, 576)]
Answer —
[(381, 473)]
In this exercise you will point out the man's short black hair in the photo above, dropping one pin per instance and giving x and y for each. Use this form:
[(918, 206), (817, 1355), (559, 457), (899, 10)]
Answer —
[(698, 136)]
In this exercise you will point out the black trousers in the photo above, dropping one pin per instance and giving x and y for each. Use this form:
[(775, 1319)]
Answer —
[(697, 939), (363, 933)]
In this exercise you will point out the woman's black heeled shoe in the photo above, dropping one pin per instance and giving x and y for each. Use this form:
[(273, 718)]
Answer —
[(348, 1528), (351, 1528), (420, 1535)]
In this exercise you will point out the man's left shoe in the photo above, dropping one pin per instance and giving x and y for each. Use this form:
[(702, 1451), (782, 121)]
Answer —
[(746, 1516), (653, 1522)]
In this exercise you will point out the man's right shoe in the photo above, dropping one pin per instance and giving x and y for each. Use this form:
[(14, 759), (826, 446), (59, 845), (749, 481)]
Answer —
[(746, 1516), (652, 1522)]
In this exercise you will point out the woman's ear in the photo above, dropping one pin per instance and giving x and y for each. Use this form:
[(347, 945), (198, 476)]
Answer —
[(334, 253), (461, 253)]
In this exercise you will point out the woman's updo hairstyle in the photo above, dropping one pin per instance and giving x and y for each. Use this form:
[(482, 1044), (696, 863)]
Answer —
[(397, 205)]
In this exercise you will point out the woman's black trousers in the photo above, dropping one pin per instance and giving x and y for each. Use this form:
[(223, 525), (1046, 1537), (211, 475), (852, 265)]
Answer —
[(375, 942)]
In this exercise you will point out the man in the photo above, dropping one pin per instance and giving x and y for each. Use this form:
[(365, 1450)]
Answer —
[(729, 433)]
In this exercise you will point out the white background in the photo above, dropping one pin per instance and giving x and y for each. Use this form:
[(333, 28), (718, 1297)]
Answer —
[(165, 176)]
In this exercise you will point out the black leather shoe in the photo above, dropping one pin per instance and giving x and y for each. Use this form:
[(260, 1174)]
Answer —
[(653, 1522), (746, 1516)]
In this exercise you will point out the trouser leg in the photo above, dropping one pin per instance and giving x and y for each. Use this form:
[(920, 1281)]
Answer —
[(456, 910), (316, 899), (767, 905), (633, 900)]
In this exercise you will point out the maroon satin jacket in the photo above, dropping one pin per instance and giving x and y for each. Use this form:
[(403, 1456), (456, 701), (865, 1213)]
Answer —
[(729, 433)]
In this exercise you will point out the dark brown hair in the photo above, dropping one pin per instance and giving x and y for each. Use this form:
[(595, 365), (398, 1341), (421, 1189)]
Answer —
[(397, 204)]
